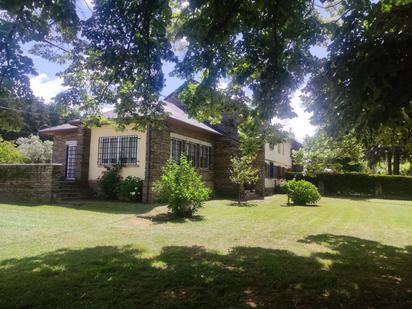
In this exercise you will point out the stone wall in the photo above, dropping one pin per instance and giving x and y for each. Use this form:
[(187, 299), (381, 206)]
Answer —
[(82, 137), (30, 182), (158, 152)]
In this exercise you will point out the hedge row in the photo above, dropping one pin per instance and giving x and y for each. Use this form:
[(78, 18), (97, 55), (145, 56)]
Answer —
[(360, 184)]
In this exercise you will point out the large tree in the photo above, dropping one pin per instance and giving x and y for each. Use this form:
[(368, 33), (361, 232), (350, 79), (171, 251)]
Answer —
[(364, 83), (261, 48), (119, 61), (322, 153), (47, 22)]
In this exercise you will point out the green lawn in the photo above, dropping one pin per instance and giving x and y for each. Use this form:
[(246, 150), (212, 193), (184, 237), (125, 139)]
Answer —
[(343, 253)]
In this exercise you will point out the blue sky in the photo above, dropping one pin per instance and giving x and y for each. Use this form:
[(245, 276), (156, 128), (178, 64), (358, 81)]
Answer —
[(47, 85)]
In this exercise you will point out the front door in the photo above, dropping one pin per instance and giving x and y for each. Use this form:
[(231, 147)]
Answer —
[(70, 161)]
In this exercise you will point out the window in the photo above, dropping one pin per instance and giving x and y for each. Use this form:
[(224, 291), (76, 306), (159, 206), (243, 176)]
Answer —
[(278, 172), (177, 148), (279, 146), (271, 146), (283, 149), (271, 171), (192, 154), (199, 155), (118, 150), (204, 156)]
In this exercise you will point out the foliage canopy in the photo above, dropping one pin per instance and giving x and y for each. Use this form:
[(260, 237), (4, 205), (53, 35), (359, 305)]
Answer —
[(321, 152)]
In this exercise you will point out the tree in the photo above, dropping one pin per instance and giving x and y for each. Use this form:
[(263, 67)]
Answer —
[(48, 22), (395, 141), (9, 153), (242, 171), (120, 61), (38, 115), (363, 85), (261, 47), (321, 152), (257, 46), (36, 150), (181, 187)]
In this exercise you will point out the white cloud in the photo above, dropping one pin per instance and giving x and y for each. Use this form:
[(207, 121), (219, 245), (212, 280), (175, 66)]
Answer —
[(300, 125), (46, 87)]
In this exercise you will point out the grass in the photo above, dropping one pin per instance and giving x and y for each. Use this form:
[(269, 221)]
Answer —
[(342, 253)]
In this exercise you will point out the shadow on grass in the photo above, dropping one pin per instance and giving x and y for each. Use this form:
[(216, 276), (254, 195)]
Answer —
[(111, 207), (298, 205), (169, 217), (243, 204), (366, 197), (360, 273)]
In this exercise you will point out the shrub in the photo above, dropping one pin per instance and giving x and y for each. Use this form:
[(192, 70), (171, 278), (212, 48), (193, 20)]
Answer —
[(108, 182), (9, 154), (130, 189), (35, 149), (181, 187), (302, 192)]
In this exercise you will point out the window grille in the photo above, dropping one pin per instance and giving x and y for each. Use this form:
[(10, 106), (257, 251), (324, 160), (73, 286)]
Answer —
[(70, 162), (198, 155), (118, 150)]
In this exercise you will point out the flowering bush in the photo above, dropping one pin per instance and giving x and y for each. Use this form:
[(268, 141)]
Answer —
[(130, 189)]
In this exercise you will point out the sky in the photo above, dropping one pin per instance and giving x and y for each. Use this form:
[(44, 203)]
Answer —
[(47, 85)]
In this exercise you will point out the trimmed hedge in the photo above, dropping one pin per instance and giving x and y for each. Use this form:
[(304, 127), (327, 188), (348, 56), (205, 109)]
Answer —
[(360, 184)]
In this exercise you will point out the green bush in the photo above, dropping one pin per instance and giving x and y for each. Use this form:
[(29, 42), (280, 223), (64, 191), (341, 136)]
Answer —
[(130, 189), (302, 192), (108, 182), (9, 153), (182, 188)]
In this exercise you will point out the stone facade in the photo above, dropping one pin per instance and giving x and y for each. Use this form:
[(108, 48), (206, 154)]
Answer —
[(30, 182), (158, 152), (82, 137), (225, 148)]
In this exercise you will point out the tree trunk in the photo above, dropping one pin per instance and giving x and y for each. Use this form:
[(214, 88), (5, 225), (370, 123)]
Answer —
[(396, 161), (239, 197), (389, 162)]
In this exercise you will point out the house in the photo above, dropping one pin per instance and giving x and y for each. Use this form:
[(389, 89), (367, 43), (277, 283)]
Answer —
[(86, 152)]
